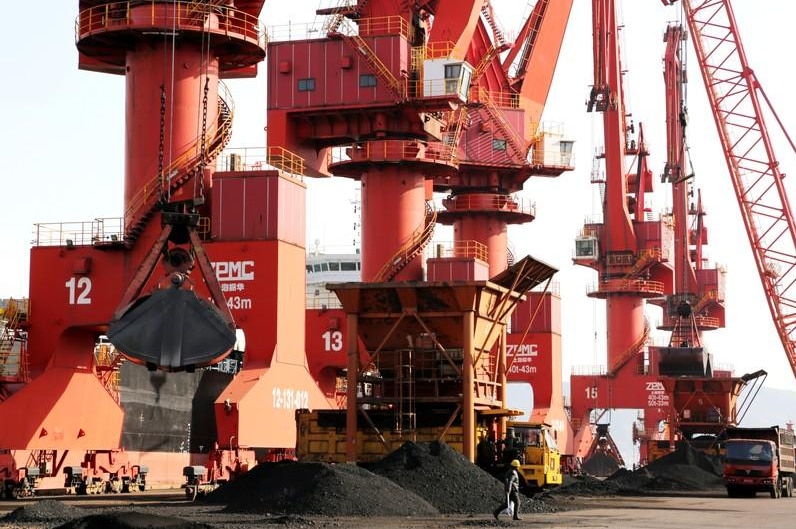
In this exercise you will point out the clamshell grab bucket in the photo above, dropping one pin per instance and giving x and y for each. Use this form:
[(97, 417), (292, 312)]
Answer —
[(173, 330)]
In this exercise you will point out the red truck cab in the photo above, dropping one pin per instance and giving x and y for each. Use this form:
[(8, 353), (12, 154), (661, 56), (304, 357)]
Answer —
[(759, 460)]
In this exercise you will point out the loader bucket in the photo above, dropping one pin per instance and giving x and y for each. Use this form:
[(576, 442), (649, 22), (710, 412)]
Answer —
[(172, 330)]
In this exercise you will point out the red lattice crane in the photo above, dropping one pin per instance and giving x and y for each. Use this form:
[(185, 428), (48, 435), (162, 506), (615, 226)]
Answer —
[(737, 98)]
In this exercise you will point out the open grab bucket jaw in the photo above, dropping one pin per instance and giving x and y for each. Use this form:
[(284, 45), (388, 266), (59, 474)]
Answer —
[(172, 328)]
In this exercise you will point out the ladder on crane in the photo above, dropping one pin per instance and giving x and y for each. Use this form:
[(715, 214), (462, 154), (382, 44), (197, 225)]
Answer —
[(144, 204), (513, 139), (411, 249)]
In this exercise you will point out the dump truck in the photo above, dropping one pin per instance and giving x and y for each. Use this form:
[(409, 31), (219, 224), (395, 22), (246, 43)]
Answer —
[(321, 437), (759, 460), (534, 445)]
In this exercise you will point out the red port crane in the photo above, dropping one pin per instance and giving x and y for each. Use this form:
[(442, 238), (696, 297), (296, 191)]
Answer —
[(498, 140), (630, 253), (220, 235), (702, 398), (479, 149)]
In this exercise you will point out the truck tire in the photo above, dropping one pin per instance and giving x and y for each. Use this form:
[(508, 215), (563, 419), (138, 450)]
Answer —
[(776, 490)]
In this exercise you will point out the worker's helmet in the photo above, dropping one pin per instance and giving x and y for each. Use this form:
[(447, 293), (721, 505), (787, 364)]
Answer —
[(515, 463)]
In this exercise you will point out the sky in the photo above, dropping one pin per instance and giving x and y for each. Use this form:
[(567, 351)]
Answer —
[(62, 145)]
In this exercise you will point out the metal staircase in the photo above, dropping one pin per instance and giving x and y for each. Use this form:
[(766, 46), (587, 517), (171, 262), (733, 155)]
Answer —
[(529, 44), (346, 8), (146, 202), (499, 45), (636, 348), (413, 247), (707, 298), (344, 30), (500, 37), (645, 259), (202, 7), (107, 362), (13, 345), (453, 130), (519, 152)]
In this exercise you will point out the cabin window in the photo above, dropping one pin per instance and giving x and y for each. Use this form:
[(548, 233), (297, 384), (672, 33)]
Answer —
[(367, 80), (335, 266), (498, 144), (453, 73), (585, 248), (348, 265), (306, 85)]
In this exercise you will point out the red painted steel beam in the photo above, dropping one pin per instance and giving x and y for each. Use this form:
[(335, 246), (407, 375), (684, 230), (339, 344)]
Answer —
[(537, 49), (736, 97)]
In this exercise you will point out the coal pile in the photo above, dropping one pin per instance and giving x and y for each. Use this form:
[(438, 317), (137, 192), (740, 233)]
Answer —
[(442, 476), (686, 455), (446, 479), (130, 520), (44, 511), (685, 469), (586, 485), (323, 489)]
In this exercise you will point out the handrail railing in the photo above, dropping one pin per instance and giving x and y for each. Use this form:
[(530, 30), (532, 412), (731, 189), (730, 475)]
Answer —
[(397, 150), (500, 99), (468, 248), (644, 258), (512, 136), (158, 14), (286, 161), (634, 349), (440, 50), (79, 233), (489, 202), (370, 26), (187, 161), (261, 158), (414, 245), (627, 285)]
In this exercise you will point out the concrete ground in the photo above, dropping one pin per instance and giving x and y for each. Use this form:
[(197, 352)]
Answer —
[(705, 510)]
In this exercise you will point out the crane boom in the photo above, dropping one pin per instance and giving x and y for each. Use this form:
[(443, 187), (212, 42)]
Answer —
[(733, 91)]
